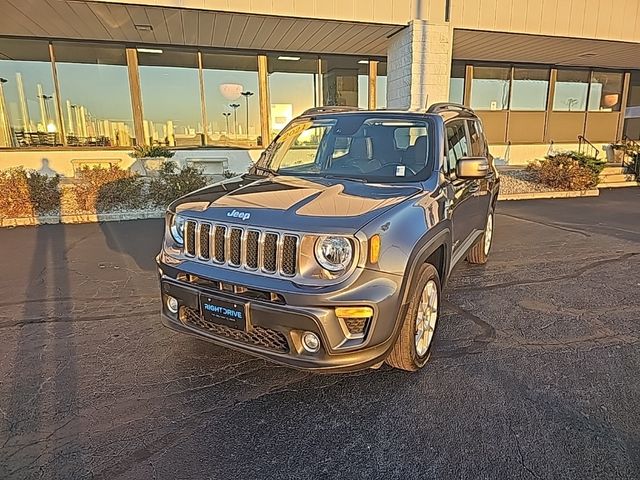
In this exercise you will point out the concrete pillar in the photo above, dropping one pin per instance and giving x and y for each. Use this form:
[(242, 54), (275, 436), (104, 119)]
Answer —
[(419, 65)]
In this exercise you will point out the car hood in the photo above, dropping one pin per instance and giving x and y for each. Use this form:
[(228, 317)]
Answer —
[(294, 203)]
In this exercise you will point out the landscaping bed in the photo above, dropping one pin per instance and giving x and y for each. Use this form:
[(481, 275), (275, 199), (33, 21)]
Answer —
[(96, 194)]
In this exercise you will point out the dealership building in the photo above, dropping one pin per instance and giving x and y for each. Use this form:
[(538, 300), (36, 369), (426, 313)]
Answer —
[(83, 81)]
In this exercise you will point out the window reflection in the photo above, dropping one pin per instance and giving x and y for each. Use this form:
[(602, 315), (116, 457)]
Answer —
[(232, 80), (490, 88), (456, 83), (170, 97), (529, 89), (381, 86), (293, 88), (28, 112), (571, 90), (94, 90), (605, 92), (344, 81)]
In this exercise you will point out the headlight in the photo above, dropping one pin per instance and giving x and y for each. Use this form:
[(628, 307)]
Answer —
[(177, 229), (334, 253)]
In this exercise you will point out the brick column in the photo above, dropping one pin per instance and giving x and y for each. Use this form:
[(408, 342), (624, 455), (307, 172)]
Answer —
[(419, 65)]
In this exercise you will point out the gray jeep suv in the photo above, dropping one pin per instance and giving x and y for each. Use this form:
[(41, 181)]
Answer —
[(332, 252)]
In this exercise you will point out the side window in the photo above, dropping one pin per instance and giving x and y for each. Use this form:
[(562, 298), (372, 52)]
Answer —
[(478, 146), (457, 143)]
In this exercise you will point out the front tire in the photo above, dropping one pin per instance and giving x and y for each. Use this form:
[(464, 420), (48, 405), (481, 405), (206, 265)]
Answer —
[(413, 346), (479, 253)]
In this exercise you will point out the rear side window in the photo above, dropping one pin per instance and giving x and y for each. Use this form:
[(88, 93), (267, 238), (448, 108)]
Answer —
[(478, 145), (457, 144)]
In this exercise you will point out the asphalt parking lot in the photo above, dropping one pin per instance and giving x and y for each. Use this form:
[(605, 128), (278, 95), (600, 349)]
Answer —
[(535, 374)]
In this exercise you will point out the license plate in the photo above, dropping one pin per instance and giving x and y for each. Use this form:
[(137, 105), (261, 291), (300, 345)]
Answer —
[(225, 312)]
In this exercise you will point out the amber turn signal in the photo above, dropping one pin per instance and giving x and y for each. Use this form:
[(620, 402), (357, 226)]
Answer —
[(354, 312), (374, 249)]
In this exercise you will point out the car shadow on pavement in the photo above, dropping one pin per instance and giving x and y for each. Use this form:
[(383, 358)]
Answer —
[(139, 239)]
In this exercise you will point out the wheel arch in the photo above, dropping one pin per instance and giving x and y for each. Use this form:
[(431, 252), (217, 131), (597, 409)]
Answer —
[(434, 246)]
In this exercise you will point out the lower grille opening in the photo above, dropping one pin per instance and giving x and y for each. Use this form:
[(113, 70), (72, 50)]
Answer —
[(237, 290), (258, 336), (357, 326)]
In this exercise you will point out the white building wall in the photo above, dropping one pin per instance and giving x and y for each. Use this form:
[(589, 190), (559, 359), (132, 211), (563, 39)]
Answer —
[(419, 65)]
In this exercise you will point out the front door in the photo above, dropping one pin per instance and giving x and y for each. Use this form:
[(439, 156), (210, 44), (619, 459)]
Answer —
[(462, 195)]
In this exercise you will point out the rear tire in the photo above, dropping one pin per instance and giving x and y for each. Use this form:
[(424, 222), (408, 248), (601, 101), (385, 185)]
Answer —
[(412, 350), (479, 253)]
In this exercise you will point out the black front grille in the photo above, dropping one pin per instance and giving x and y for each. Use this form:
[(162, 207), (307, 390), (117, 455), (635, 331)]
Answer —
[(219, 244), (258, 336), (289, 255), (270, 252), (190, 238), (236, 246), (252, 248), (205, 232)]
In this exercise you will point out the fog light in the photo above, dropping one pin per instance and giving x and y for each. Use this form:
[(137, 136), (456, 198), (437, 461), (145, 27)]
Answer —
[(310, 342), (172, 304)]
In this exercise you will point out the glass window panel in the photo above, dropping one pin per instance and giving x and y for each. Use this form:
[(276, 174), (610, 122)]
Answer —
[(293, 87), (571, 90), (457, 143), (363, 91), (94, 90), (232, 80), (171, 98), (28, 111), (490, 88), (529, 89), (634, 90), (381, 86), (478, 145), (456, 83), (344, 81), (606, 91)]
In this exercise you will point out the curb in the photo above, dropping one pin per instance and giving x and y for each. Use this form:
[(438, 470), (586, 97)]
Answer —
[(80, 218), (559, 194)]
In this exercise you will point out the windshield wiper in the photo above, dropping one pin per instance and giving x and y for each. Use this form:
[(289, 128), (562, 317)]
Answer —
[(345, 177), (266, 170)]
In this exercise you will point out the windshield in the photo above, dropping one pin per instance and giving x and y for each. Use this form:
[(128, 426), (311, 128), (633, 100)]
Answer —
[(359, 146)]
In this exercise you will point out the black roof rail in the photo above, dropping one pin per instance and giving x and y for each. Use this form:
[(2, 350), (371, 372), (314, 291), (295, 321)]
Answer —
[(447, 106), (329, 109)]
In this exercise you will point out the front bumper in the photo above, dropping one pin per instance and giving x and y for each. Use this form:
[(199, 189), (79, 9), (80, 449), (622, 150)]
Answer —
[(275, 328)]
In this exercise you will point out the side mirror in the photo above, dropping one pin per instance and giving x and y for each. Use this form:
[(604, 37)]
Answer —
[(472, 167)]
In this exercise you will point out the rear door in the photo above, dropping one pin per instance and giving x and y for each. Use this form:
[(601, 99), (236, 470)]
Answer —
[(462, 203)]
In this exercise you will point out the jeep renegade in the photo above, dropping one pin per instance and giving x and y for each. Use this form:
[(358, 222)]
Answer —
[(332, 251)]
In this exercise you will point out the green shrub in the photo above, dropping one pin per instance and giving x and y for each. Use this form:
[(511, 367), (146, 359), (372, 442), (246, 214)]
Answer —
[(144, 151), (170, 184), (564, 172), (594, 164), (104, 189), (26, 193), (45, 192)]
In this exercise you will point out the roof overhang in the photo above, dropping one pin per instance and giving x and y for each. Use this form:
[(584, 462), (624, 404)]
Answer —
[(486, 46), (154, 25)]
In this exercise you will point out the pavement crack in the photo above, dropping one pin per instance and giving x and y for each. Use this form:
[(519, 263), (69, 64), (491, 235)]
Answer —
[(545, 224), (520, 454), (569, 276), (486, 335), (72, 319)]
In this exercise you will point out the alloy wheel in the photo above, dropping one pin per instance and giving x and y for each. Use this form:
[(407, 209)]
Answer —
[(426, 318)]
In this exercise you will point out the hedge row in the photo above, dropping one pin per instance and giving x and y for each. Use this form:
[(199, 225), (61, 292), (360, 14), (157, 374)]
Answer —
[(28, 193)]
